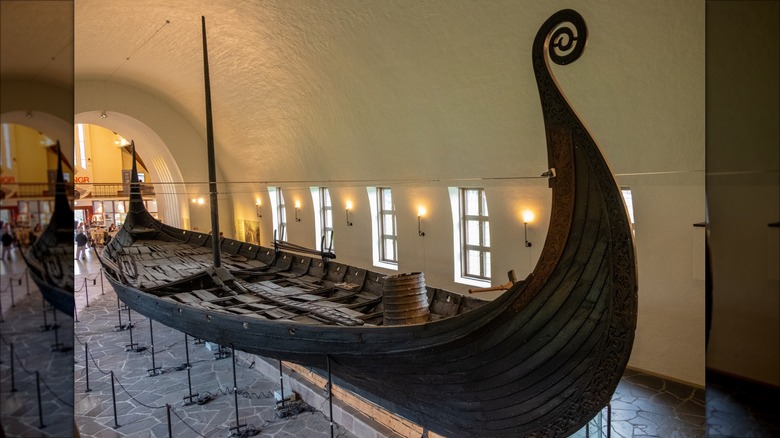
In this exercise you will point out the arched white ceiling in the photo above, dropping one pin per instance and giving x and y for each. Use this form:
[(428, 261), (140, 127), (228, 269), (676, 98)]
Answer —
[(405, 89)]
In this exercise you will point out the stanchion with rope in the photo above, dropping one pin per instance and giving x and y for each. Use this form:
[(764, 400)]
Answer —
[(86, 291), (113, 399), (86, 364), (13, 378), (40, 405)]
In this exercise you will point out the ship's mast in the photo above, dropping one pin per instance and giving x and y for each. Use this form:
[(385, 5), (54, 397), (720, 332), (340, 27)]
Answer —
[(215, 243)]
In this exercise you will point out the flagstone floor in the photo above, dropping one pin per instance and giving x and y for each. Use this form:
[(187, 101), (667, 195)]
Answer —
[(75, 364)]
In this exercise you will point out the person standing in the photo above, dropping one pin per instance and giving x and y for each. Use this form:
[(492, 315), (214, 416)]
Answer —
[(7, 241), (81, 245)]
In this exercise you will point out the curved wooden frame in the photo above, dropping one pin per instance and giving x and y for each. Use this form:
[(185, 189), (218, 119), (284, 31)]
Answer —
[(540, 360)]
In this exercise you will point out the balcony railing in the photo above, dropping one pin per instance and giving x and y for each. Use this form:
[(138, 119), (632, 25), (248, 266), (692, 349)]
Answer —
[(82, 191), (31, 190), (107, 190)]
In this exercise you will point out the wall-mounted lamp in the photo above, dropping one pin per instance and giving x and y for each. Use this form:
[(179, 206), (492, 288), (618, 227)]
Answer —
[(297, 206), (349, 207), (528, 216), (103, 115), (420, 214), (198, 201), (258, 204)]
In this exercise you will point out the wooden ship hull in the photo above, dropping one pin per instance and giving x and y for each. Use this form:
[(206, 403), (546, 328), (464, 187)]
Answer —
[(540, 360), (50, 258)]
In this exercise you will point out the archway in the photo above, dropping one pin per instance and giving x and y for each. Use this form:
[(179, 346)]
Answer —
[(168, 182)]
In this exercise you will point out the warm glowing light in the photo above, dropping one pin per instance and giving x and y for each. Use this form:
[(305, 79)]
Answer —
[(201, 201), (194, 200), (528, 216), (421, 211), (258, 203), (297, 204), (349, 205)]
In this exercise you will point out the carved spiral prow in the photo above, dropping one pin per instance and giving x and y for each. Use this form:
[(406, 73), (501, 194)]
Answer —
[(567, 36)]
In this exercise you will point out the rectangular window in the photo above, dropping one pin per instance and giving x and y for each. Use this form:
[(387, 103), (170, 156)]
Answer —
[(629, 200), (82, 147), (388, 234), (7, 146), (475, 234), (326, 219), (281, 216)]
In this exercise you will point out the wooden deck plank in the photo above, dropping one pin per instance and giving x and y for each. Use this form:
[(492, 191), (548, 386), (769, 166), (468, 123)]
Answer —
[(205, 295)]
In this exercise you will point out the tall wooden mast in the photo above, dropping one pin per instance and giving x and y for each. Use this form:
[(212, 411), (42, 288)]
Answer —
[(215, 242)]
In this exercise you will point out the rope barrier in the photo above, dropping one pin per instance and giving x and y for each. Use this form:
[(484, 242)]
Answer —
[(31, 373), (12, 279), (185, 423)]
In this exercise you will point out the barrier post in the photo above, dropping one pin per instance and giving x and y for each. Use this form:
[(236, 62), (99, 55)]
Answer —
[(40, 405), (86, 364), (113, 398)]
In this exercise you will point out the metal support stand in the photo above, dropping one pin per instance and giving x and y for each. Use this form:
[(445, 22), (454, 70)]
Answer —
[(132, 346), (154, 370), (281, 382), (120, 327), (40, 407), (57, 345), (102, 291), (199, 341), (168, 411), (46, 326), (86, 364), (11, 286), (222, 353), (26, 280), (609, 420), (113, 399), (330, 398), (238, 425), (189, 377), (86, 291), (13, 380)]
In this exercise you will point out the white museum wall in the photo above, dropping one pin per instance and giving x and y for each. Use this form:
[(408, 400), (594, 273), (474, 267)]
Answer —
[(450, 101), (743, 187)]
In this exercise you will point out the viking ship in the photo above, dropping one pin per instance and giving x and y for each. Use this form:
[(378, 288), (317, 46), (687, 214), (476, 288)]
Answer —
[(50, 258), (540, 360)]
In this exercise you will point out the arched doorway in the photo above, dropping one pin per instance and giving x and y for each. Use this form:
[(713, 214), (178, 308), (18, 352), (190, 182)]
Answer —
[(169, 200)]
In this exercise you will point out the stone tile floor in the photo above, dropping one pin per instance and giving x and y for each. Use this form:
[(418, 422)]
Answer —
[(37, 349), (643, 405)]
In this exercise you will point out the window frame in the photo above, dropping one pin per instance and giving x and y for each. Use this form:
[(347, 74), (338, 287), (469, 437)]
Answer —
[(383, 238), (281, 216), (483, 237), (326, 212)]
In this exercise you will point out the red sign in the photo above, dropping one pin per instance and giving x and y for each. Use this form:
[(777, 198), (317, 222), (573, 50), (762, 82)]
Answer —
[(7, 179), (82, 179)]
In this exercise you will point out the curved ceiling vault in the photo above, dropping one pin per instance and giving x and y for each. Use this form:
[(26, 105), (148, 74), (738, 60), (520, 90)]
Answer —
[(395, 89)]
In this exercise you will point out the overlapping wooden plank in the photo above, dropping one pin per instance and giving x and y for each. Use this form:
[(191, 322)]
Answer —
[(204, 295)]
